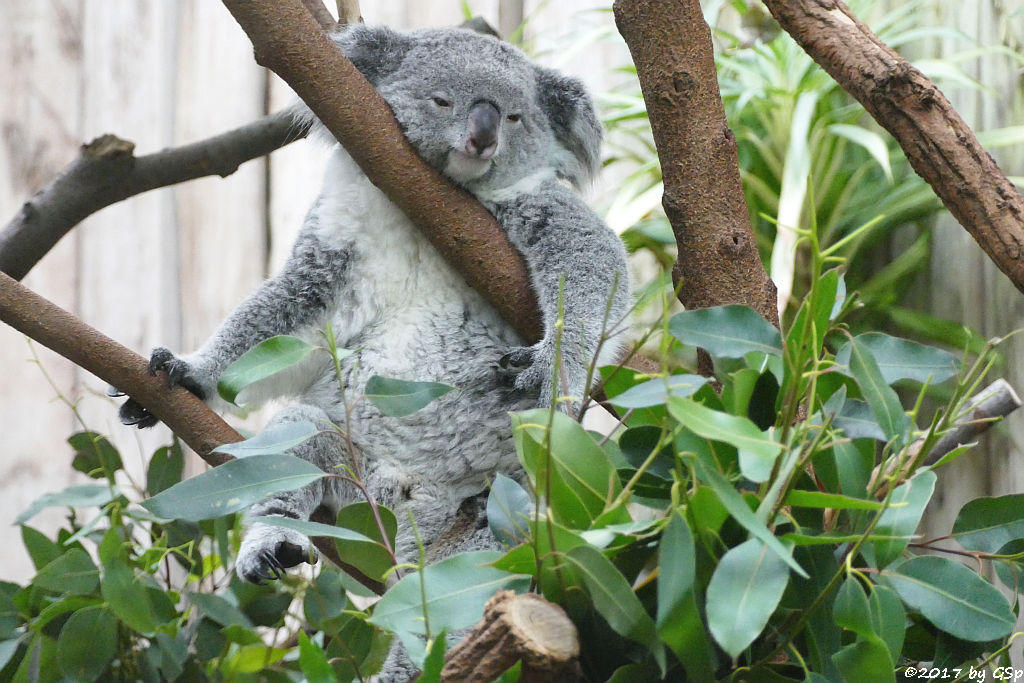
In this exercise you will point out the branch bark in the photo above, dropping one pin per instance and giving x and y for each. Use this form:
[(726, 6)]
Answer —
[(939, 145), (718, 262), (107, 171), (288, 41)]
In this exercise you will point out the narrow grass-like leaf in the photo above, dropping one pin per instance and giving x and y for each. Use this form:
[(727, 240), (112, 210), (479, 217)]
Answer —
[(233, 486), (726, 331), (260, 362), (743, 593), (953, 597), (757, 451), (869, 140), (398, 398)]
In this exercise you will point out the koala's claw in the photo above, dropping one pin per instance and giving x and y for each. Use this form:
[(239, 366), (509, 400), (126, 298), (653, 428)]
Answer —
[(133, 414), (271, 563), (517, 360), (178, 371)]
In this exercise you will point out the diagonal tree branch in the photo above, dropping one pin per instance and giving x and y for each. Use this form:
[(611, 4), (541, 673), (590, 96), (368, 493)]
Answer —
[(939, 145)]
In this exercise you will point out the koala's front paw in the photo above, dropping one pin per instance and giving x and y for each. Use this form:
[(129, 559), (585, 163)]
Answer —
[(529, 368), (267, 551), (179, 372)]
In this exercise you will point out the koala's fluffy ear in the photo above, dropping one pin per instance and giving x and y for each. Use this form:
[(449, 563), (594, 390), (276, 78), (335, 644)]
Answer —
[(571, 112), (375, 50)]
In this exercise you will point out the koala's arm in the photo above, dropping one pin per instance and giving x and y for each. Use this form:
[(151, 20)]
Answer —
[(560, 237), (295, 298)]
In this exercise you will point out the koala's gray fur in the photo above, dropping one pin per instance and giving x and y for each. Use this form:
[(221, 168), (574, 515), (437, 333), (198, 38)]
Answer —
[(510, 132)]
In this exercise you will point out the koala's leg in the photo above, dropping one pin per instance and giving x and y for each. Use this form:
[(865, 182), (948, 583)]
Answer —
[(267, 550)]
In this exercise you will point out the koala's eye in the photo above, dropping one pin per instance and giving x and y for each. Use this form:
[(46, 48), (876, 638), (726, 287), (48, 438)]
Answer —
[(514, 118), (442, 102)]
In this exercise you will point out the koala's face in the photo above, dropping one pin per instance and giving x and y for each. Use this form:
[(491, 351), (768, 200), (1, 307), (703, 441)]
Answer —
[(476, 109)]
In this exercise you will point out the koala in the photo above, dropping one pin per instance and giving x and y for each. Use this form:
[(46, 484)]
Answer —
[(517, 136)]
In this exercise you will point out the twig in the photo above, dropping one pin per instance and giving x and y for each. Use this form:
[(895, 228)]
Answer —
[(107, 172)]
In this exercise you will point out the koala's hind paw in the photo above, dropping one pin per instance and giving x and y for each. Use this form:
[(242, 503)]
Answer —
[(268, 551)]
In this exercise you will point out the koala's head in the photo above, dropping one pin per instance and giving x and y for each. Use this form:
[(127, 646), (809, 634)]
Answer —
[(476, 108)]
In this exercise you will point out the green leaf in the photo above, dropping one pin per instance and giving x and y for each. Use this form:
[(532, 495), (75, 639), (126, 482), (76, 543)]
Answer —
[(233, 486), (94, 455), (656, 391), (398, 398), (884, 402), (165, 468), (953, 598), (901, 522), (615, 600), (509, 509), (371, 557), (40, 548), (678, 621), (817, 499), (871, 141), (866, 661), (987, 524), (73, 573), (850, 608), (435, 660), (888, 620), (857, 421), (576, 473), (726, 331), (313, 661), (312, 529), (260, 362), (904, 359), (274, 440), (82, 495), (219, 609), (456, 590), (124, 592), (757, 451), (741, 512), (87, 643), (744, 591), (325, 599)]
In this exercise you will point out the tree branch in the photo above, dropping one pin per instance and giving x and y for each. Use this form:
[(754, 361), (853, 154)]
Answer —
[(288, 41), (939, 145), (107, 172), (718, 261)]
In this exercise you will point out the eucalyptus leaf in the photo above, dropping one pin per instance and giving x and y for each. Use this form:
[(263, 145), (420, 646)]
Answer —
[(165, 468), (900, 520), (73, 573), (656, 391), (260, 362), (757, 451), (94, 455), (987, 524), (904, 359), (744, 591), (726, 331), (276, 439), (866, 661), (233, 486), (509, 509), (398, 398), (87, 643), (850, 608), (953, 598), (219, 609), (313, 661), (81, 495), (885, 404)]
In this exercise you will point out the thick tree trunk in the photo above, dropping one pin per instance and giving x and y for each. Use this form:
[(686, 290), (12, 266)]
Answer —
[(718, 262), (937, 142)]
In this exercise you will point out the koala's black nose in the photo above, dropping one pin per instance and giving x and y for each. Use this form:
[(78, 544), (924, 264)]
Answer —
[(482, 126)]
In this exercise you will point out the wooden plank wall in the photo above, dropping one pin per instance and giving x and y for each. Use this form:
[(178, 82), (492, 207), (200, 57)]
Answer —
[(166, 267)]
